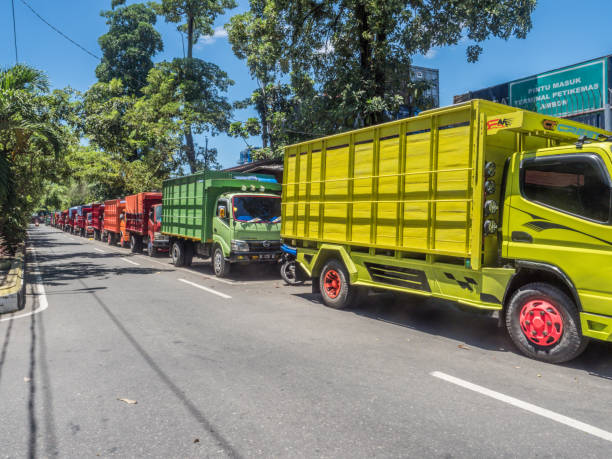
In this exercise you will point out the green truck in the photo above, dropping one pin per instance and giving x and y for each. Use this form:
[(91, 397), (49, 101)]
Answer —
[(226, 217), (481, 204)]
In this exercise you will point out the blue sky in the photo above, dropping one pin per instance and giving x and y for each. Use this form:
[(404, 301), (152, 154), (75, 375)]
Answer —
[(564, 32)]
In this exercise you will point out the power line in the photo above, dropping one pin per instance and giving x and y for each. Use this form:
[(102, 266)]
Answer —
[(54, 28), (15, 32)]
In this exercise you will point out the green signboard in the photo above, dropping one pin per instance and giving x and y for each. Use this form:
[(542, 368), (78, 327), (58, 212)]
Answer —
[(572, 90)]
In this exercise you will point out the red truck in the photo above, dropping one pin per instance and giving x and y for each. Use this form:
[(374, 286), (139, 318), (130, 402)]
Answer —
[(95, 221), (114, 222), (61, 224), (80, 222), (72, 213), (143, 222)]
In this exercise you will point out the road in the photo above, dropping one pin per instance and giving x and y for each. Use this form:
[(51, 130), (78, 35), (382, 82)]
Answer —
[(250, 367)]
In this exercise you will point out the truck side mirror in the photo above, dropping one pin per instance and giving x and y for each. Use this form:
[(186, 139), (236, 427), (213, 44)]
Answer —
[(221, 212)]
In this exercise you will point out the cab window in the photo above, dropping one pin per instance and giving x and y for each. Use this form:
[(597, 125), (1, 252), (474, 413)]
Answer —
[(574, 184), (222, 210)]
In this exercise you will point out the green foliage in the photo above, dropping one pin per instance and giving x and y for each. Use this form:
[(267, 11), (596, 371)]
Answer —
[(188, 95), (33, 139), (129, 46), (328, 66), (195, 17)]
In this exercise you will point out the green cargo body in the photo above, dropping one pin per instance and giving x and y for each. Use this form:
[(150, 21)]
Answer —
[(189, 202)]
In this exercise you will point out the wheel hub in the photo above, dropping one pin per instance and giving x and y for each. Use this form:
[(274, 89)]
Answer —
[(541, 322), (332, 283)]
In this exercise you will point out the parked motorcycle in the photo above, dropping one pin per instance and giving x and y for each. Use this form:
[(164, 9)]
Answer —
[(290, 272)]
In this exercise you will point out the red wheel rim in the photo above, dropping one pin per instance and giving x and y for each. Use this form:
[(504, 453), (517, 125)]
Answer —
[(541, 322), (332, 283)]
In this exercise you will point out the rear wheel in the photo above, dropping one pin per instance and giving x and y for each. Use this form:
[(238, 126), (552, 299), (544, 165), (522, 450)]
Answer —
[(220, 266), (335, 287), (111, 239), (544, 323), (177, 252), (188, 253), (134, 243)]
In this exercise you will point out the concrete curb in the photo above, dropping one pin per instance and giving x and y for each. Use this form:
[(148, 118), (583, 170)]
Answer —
[(12, 292)]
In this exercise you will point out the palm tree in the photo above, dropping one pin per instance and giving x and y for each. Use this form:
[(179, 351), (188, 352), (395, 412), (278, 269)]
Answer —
[(25, 129)]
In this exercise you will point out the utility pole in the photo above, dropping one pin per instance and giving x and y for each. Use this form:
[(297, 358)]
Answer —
[(15, 32)]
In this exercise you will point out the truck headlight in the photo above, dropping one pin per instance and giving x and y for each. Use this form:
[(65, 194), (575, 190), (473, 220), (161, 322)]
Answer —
[(239, 246)]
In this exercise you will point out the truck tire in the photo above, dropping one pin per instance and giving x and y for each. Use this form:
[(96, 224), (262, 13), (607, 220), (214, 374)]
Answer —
[(133, 243), (188, 253), (177, 252), (111, 239), (335, 288), (151, 250), (220, 266), (543, 322)]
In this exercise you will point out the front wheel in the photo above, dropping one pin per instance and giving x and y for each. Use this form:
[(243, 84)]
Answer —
[(544, 324), (151, 250), (288, 272), (220, 266), (335, 287)]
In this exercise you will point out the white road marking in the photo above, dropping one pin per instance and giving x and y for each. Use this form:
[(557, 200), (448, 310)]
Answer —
[(591, 430), (39, 290), (97, 249), (130, 261), (206, 289), (190, 271)]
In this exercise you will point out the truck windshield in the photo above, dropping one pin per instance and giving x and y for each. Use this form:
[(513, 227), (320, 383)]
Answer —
[(255, 209)]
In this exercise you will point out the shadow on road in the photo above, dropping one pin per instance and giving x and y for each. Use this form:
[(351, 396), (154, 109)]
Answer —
[(479, 330)]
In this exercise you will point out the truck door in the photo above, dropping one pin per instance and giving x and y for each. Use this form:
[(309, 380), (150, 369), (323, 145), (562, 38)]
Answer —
[(221, 225), (560, 215)]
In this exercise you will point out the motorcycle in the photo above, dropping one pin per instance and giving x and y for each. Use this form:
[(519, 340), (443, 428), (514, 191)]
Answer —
[(290, 272)]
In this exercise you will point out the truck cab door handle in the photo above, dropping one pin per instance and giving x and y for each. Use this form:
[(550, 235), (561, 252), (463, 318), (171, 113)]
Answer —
[(521, 236), (215, 230)]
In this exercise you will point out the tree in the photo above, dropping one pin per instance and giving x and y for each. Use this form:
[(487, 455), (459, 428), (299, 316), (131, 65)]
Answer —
[(33, 139), (187, 95), (129, 46), (354, 49), (196, 19)]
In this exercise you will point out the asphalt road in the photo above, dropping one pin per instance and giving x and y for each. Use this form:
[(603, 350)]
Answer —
[(250, 367)]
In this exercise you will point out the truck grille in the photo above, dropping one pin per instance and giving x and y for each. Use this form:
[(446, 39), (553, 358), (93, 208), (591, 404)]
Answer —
[(264, 246), (399, 277)]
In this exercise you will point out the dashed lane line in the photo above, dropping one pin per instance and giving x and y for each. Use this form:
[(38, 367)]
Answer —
[(570, 422), (206, 289), (130, 261), (99, 250)]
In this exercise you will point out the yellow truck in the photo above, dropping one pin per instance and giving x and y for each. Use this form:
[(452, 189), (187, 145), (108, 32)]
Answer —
[(479, 203)]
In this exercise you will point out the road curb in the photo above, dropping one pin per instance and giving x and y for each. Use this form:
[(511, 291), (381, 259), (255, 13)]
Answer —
[(12, 291)]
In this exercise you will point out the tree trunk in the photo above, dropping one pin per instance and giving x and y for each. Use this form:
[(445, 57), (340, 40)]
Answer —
[(189, 144)]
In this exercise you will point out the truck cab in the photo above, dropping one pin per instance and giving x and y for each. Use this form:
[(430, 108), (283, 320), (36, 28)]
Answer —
[(246, 229), (156, 241)]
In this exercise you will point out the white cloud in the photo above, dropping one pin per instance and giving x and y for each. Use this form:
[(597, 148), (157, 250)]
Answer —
[(431, 53), (219, 32)]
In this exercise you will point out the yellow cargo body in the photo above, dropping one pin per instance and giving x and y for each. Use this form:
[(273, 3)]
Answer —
[(413, 185)]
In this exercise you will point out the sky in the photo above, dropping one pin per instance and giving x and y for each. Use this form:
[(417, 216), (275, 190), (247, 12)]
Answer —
[(564, 32)]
